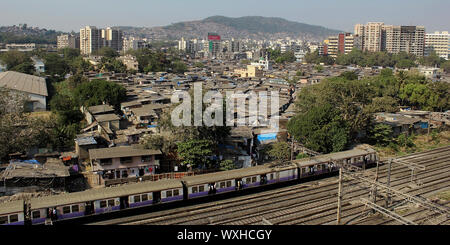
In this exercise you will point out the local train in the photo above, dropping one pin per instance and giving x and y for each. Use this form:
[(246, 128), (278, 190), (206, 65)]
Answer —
[(114, 199)]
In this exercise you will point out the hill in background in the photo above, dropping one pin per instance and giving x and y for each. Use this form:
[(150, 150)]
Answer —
[(253, 27)]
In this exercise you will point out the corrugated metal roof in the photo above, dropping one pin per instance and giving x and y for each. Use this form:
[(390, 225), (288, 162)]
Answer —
[(23, 82), (100, 109), (104, 193), (121, 151)]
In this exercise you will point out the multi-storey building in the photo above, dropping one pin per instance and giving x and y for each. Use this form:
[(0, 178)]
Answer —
[(132, 43), (113, 38), (372, 36), (439, 43), (342, 44), (409, 39), (90, 40), (68, 41), (394, 39)]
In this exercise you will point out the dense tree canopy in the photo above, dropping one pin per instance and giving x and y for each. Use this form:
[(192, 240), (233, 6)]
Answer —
[(97, 92), (355, 101)]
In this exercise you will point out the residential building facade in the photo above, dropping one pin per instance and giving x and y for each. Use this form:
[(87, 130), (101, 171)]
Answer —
[(438, 42)]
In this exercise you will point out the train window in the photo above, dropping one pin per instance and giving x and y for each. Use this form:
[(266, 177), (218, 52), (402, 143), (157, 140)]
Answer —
[(3, 220), (254, 180), (66, 209), (168, 193), (248, 180), (36, 214), (137, 198), (222, 185), (111, 203), (13, 218), (75, 208), (102, 204), (201, 188), (228, 183), (144, 197), (194, 189), (176, 193), (271, 176)]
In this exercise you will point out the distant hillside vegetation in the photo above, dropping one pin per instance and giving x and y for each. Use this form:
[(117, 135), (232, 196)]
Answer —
[(254, 27)]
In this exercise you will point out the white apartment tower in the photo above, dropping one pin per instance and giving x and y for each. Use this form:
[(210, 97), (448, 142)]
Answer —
[(438, 42)]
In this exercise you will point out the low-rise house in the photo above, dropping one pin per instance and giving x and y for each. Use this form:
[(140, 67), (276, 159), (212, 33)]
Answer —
[(400, 123), (28, 175), (123, 162), (39, 65), (108, 121), (32, 86), (92, 111)]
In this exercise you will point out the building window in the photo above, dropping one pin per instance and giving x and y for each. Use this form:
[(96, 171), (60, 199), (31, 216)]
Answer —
[(126, 160), (146, 158), (106, 161)]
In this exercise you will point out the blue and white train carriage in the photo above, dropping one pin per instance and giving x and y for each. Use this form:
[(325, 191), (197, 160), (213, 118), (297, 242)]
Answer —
[(105, 200), (12, 213), (228, 181)]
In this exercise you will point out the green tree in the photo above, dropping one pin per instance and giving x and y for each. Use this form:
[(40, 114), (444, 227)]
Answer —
[(14, 58), (26, 67), (107, 52), (320, 129), (227, 165), (280, 151), (381, 134), (194, 153), (55, 65), (179, 67), (98, 91)]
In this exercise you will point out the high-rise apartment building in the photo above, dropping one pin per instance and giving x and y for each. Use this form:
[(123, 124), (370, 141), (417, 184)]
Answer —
[(343, 43), (438, 42), (393, 39), (409, 39), (90, 40), (68, 41), (113, 38), (372, 36)]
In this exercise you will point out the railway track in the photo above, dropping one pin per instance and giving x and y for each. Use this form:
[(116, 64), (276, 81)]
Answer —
[(308, 203)]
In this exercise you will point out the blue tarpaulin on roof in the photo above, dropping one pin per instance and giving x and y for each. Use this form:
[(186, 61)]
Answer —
[(264, 137), (152, 126), (33, 161), (424, 124)]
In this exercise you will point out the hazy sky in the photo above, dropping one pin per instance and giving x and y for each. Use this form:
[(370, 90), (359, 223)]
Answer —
[(67, 15)]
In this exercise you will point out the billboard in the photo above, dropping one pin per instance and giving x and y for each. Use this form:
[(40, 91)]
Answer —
[(213, 36)]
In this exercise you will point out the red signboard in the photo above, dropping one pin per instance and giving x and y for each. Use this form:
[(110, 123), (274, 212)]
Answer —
[(213, 37)]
